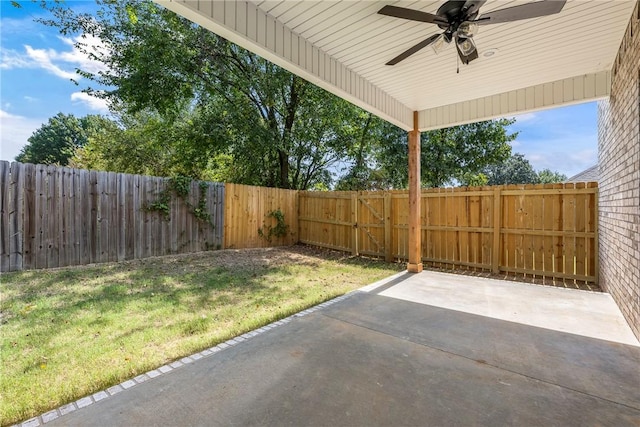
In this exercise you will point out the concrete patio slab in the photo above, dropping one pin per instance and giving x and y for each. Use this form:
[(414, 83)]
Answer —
[(590, 314), (377, 359)]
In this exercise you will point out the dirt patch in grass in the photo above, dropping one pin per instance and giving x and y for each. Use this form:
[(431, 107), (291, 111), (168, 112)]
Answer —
[(67, 333)]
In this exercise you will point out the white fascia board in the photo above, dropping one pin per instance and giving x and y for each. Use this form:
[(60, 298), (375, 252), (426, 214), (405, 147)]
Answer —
[(573, 90)]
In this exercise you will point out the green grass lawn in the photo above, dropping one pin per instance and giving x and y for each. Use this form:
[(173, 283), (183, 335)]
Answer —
[(70, 332)]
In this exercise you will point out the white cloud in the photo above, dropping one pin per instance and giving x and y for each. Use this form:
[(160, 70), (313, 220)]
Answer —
[(91, 102), (42, 58), (10, 58), (525, 117), (13, 26), (6, 115), (14, 132), (61, 63), (82, 60), (565, 155)]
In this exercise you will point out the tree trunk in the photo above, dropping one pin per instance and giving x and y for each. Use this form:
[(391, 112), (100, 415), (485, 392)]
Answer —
[(283, 153), (283, 158)]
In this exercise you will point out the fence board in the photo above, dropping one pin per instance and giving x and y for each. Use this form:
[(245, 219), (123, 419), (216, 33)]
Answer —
[(5, 177), (16, 213), (121, 217), (28, 232), (103, 216), (67, 215), (150, 196), (220, 215), (112, 218), (76, 208), (537, 223), (94, 227), (40, 225), (128, 217), (581, 210), (54, 217), (558, 245)]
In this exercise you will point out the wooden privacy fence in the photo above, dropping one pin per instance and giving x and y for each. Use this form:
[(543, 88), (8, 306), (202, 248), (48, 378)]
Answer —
[(53, 217), (541, 230)]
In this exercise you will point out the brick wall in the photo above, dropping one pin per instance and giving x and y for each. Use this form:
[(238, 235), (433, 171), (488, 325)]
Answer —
[(619, 161)]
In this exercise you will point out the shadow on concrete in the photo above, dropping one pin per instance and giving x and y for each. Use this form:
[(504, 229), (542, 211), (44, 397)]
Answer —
[(378, 361)]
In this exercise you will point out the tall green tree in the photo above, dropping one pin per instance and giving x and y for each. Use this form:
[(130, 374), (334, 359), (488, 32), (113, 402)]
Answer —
[(515, 170), (56, 141), (280, 130), (248, 120), (453, 155), (146, 143), (547, 176)]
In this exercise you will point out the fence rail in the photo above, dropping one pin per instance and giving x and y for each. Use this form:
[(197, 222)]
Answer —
[(54, 217), (540, 230)]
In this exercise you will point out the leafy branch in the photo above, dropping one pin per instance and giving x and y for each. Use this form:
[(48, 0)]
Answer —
[(180, 186), (279, 230)]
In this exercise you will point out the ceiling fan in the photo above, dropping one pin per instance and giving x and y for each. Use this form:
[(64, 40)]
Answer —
[(459, 20)]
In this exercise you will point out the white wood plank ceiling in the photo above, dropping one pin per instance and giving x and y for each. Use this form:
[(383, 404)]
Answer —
[(343, 47)]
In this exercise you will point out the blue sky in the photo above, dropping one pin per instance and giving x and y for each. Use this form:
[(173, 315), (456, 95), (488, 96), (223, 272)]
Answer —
[(37, 65)]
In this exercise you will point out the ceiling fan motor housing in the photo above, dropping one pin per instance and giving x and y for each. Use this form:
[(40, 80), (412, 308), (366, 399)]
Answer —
[(457, 12)]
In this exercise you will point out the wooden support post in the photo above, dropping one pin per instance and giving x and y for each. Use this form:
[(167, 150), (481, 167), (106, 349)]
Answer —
[(415, 229)]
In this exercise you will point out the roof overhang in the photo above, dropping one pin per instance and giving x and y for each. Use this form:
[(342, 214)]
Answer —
[(342, 46)]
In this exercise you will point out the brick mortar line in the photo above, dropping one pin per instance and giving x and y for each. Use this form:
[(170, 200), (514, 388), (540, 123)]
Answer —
[(165, 369)]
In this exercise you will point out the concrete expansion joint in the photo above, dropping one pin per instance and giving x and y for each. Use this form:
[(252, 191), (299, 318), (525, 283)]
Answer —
[(165, 369)]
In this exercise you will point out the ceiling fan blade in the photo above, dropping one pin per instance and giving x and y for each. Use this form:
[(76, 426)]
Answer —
[(413, 15), (407, 53), (473, 6), (524, 11)]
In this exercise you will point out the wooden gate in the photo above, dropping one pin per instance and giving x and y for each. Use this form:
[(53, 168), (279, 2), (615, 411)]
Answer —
[(373, 231)]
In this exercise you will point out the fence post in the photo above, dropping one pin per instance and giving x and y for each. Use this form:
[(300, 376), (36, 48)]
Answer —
[(354, 221), (497, 221), (388, 252)]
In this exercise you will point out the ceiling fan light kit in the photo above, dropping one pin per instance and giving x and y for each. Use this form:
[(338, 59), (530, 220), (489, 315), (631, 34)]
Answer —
[(460, 20), (439, 44), (468, 29), (466, 46)]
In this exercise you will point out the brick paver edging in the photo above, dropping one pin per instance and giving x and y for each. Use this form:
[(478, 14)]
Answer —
[(105, 394)]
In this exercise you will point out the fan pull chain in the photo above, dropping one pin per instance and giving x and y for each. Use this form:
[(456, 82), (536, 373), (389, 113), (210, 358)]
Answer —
[(458, 64)]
